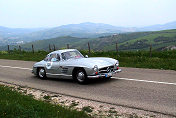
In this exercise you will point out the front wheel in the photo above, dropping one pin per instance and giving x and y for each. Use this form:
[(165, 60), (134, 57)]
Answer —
[(81, 77), (41, 73), (107, 78)]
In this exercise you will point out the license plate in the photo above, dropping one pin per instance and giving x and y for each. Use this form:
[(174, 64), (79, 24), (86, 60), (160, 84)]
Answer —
[(109, 74)]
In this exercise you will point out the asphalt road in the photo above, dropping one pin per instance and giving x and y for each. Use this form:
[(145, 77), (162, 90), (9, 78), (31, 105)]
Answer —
[(145, 89)]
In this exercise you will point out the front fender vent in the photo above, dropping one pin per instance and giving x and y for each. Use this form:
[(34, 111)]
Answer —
[(64, 70)]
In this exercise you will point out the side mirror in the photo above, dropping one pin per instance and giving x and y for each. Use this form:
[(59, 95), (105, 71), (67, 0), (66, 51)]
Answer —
[(86, 56)]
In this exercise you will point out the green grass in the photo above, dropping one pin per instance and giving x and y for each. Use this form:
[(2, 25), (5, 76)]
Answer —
[(16, 105), (138, 59), (23, 55), (141, 59)]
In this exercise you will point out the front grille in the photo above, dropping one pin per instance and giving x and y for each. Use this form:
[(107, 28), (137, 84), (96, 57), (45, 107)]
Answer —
[(106, 69)]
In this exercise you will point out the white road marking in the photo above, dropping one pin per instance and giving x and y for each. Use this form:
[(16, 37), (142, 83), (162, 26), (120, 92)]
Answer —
[(15, 67), (137, 80)]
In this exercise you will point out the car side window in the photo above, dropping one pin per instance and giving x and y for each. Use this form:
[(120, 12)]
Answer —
[(63, 56), (47, 58), (58, 57), (54, 57)]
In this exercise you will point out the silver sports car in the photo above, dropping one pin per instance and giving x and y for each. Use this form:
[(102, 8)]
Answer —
[(71, 64)]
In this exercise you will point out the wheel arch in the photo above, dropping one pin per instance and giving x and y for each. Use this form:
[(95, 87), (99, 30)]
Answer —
[(76, 69)]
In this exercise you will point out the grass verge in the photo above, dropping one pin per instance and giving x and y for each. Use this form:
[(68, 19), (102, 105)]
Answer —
[(15, 105), (138, 59)]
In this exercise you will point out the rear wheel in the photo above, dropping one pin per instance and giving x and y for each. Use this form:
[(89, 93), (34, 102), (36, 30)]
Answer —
[(81, 77), (41, 73)]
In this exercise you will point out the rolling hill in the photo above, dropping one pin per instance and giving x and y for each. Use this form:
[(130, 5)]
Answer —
[(158, 27), (126, 41), (14, 36)]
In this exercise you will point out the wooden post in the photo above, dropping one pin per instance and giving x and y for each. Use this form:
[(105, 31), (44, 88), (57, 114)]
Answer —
[(116, 48), (54, 47), (89, 47), (32, 48), (67, 46), (150, 51), (49, 48), (19, 48), (8, 48)]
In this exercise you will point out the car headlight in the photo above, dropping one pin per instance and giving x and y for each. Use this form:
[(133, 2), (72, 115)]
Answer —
[(95, 68), (116, 67), (117, 63)]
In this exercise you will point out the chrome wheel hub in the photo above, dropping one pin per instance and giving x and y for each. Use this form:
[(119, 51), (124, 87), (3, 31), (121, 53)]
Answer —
[(41, 73), (80, 77)]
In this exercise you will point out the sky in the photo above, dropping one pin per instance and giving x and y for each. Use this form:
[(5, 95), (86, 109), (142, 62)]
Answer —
[(53, 13)]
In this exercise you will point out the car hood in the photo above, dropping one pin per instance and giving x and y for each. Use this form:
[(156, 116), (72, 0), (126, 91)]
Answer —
[(41, 64), (91, 62)]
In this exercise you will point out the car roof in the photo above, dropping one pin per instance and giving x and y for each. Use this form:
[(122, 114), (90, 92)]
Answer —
[(64, 50)]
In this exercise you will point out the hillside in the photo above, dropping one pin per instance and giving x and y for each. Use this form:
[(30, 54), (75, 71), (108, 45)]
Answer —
[(82, 30), (15, 36), (127, 41), (59, 42), (158, 27), (133, 41)]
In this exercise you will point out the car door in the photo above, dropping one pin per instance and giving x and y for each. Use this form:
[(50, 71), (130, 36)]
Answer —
[(53, 65)]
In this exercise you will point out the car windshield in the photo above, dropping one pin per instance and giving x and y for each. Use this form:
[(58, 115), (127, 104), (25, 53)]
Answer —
[(71, 54)]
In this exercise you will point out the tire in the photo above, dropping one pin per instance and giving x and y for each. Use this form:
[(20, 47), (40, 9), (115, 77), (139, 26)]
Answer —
[(41, 73), (81, 77), (107, 78)]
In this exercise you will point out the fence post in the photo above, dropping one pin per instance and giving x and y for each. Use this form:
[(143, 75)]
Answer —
[(49, 48), (54, 47), (19, 48), (8, 48), (150, 51), (89, 47), (67, 46), (32, 48), (116, 48)]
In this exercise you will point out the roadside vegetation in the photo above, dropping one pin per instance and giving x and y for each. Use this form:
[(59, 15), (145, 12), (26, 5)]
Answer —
[(138, 59), (15, 105), (141, 59)]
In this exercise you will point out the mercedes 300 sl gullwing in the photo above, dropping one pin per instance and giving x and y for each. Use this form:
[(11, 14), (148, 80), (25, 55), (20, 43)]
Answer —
[(71, 64)]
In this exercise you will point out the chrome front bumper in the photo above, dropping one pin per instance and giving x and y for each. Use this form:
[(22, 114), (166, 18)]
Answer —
[(34, 71), (104, 74)]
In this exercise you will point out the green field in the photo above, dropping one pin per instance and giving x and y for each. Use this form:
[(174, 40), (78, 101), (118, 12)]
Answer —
[(160, 40), (15, 105), (138, 59)]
